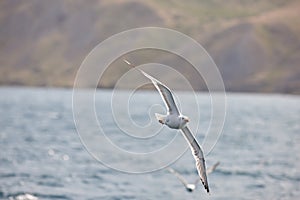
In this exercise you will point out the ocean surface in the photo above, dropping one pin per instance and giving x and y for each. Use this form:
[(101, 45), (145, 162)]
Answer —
[(41, 152)]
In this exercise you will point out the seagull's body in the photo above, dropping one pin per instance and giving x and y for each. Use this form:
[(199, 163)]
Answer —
[(190, 187), (175, 120)]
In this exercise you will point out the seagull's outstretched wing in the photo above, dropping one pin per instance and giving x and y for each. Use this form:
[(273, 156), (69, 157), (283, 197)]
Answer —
[(212, 168), (209, 170), (163, 90), (182, 180), (198, 156)]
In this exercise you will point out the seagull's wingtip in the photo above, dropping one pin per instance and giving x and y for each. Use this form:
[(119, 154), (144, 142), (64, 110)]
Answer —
[(206, 188)]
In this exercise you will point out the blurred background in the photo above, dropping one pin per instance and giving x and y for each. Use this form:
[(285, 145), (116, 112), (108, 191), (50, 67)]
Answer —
[(255, 44)]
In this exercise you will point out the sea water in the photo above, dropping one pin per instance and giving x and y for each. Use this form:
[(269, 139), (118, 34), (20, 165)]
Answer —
[(41, 152)]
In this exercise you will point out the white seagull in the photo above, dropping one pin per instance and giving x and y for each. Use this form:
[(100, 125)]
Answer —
[(175, 120), (190, 187)]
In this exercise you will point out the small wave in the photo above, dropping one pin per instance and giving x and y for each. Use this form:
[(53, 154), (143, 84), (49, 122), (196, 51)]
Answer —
[(53, 196), (239, 173), (7, 175), (10, 175), (97, 177), (284, 177), (256, 186), (50, 183), (35, 196), (123, 197), (25, 196)]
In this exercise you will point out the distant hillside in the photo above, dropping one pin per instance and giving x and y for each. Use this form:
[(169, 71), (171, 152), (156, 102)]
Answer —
[(256, 44)]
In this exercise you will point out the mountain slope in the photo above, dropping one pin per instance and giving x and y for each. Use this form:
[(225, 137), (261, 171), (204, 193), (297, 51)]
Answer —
[(256, 44)]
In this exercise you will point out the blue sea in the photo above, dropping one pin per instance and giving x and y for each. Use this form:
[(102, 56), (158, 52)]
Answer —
[(42, 153)]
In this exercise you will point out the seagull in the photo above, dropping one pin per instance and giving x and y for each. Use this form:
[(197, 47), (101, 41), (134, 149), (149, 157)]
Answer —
[(175, 120), (190, 187)]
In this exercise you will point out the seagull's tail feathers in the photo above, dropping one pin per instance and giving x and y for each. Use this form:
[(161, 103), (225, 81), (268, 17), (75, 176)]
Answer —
[(160, 118)]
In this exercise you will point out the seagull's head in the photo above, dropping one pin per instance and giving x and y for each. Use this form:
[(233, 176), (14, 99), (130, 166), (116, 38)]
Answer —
[(183, 120)]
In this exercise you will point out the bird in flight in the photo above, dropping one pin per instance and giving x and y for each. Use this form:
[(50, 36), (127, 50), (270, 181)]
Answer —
[(190, 187), (175, 120)]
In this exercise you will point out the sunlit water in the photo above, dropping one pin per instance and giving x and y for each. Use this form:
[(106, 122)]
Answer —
[(41, 153)]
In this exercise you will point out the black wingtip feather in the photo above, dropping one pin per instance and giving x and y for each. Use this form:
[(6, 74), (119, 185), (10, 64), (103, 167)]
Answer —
[(205, 186), (207, 189)]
